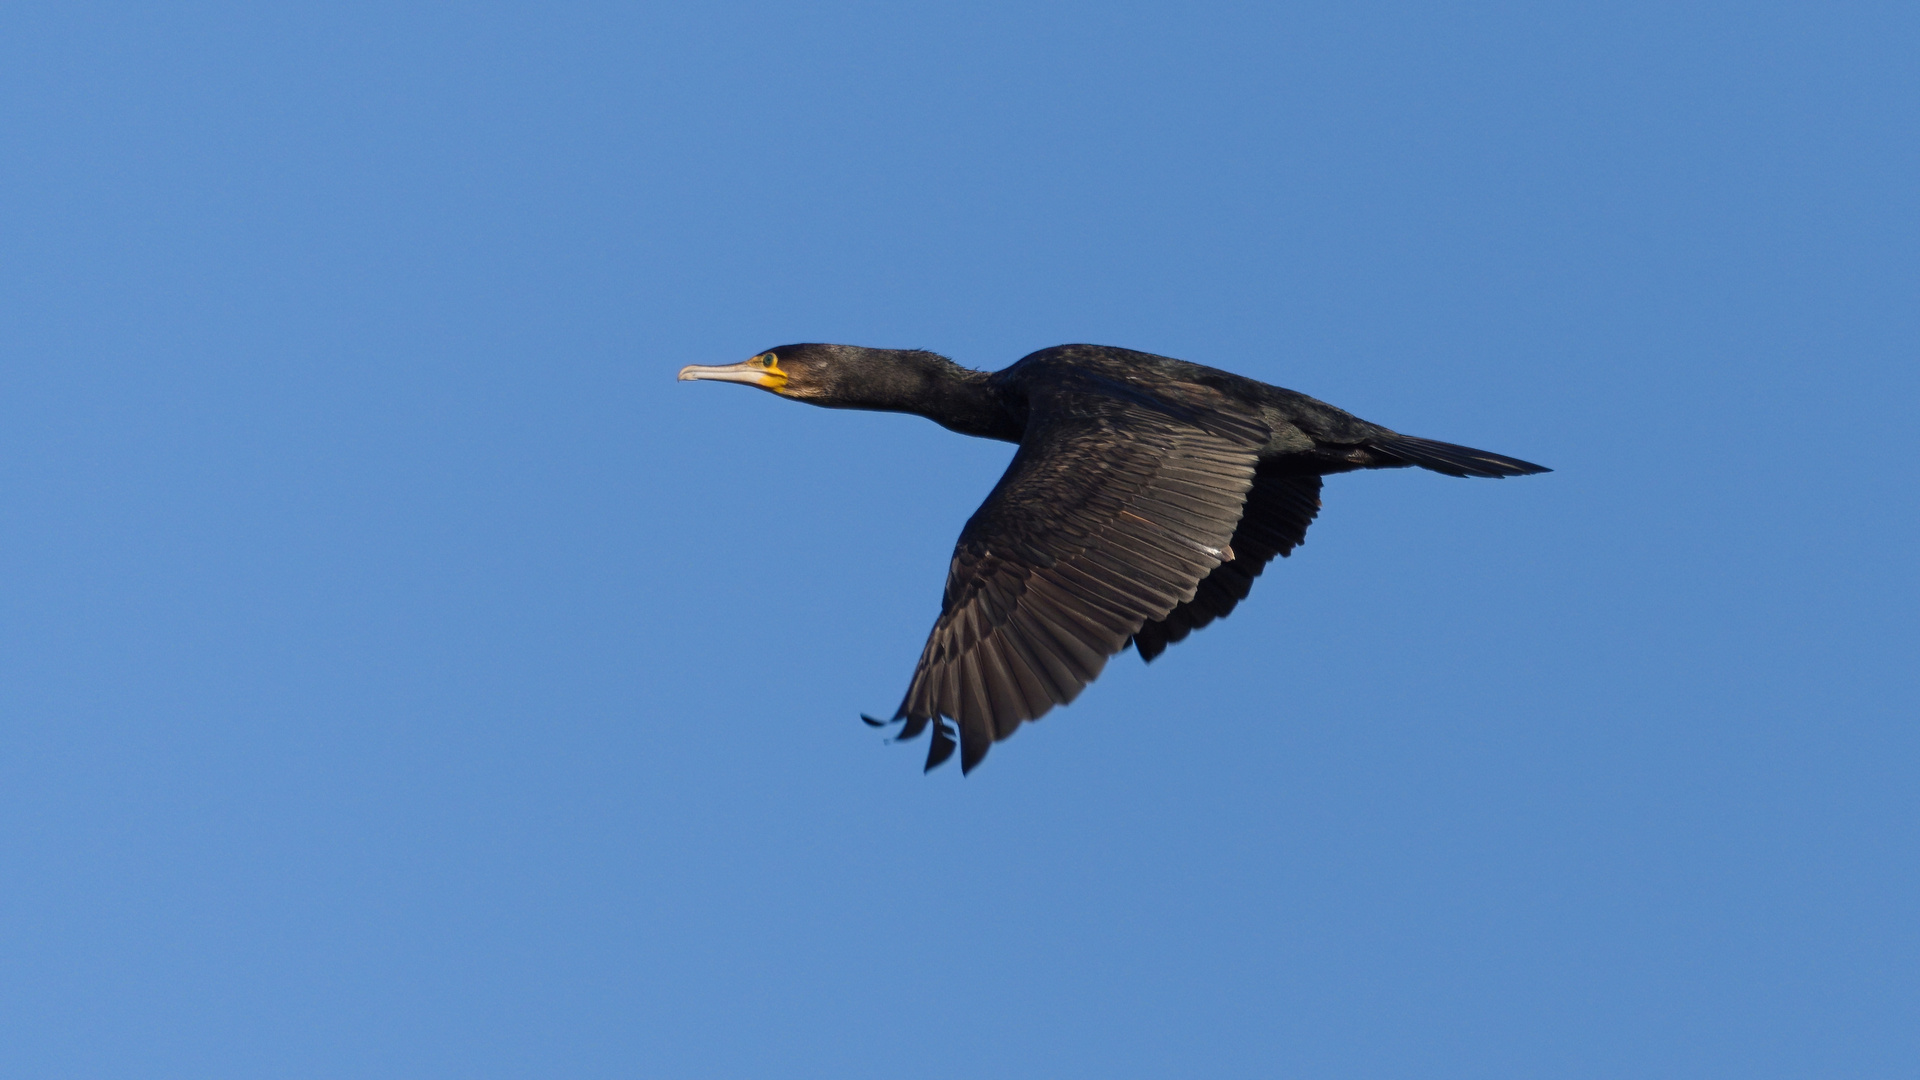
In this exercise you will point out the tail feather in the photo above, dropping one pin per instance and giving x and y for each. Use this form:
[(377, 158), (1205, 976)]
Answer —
[(1448, 458)]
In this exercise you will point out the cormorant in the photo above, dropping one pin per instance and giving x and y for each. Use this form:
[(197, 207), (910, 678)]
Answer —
[(1146, 496)]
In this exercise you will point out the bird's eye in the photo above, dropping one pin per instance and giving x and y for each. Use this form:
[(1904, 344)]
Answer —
[(768, 359)]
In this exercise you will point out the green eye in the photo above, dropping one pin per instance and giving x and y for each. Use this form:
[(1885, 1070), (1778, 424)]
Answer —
[(769, 359)]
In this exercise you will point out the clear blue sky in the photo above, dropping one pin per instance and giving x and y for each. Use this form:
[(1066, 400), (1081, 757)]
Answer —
[(402, 676)]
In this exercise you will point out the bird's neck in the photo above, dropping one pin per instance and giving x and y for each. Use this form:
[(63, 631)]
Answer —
[(965, 401), (958, 399)]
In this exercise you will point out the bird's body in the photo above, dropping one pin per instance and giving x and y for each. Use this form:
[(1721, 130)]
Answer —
[(1146, 496)]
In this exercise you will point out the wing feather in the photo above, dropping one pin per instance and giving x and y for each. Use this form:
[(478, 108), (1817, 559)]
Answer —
[(1115, 511), (1279, 507)]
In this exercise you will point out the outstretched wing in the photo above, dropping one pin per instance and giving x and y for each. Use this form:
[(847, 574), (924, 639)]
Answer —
[(1116, 507), (1279, 508)]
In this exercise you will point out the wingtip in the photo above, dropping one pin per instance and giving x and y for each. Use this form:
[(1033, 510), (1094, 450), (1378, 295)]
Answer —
[(971, 757), (940, 749)]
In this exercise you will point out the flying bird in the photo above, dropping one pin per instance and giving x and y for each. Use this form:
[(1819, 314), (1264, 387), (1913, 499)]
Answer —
[(1146, 496)]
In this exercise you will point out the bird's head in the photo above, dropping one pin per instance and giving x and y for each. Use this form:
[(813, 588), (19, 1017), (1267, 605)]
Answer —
[(837, 376)]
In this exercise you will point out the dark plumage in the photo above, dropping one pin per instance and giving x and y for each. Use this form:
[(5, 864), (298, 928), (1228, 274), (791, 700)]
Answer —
[(1146, 496)]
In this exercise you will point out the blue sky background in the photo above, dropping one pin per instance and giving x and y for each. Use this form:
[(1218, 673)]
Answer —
[(402, 676)]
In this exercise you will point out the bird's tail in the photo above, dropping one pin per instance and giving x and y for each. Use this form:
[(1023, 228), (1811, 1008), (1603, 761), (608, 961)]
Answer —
[(1448, 458)]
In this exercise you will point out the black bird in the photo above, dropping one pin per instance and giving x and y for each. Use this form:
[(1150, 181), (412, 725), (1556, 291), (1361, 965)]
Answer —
[(1146, 496)]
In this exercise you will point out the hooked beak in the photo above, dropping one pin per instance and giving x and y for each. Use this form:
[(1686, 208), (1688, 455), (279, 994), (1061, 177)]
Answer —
[(758, 371)]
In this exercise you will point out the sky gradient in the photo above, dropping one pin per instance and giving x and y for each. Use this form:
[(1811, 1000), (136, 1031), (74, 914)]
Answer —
[(402, 676)]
